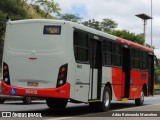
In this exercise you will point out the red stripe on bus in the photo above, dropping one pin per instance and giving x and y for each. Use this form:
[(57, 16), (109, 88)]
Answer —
[(61, 92), (130, 43)]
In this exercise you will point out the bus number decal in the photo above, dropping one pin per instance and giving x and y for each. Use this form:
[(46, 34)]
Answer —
[(28, 91)]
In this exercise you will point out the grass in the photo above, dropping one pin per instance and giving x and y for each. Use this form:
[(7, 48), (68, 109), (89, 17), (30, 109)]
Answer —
[(157, 92), (32, 12), (157, 86)]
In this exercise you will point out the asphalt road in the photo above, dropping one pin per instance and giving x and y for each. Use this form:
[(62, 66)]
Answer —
[(77, 110)]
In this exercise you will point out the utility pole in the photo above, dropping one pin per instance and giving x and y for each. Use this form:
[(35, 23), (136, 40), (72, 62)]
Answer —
[(144, 17)]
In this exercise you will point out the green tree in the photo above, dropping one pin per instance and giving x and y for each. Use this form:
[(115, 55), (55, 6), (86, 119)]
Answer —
[(129, 36), (49, 6), (157, 71), (13, 9), (107, 25), (2, 29), (93, 24), (70, 17), (29, 5)]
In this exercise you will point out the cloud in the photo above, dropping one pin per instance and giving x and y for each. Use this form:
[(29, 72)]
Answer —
[(121, 11)]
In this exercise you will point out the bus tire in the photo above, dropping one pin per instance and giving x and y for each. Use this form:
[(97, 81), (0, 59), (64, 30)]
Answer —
[(140, 101), (2, 101), (105, 104), (27, 100), (106, 100), (56, 103)]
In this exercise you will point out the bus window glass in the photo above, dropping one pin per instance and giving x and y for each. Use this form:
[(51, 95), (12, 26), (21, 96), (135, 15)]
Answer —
[(117, 55), (107, 48), (81, 46), (136, 58), (144, 61)]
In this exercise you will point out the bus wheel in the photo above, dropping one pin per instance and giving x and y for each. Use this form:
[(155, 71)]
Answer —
[(140, 101), (27, 100), (57, 104), (2, 101), (105, 104)]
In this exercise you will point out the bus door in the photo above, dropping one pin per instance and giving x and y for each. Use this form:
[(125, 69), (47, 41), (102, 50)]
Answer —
[(95, 57), (126, 71), (151, 74)]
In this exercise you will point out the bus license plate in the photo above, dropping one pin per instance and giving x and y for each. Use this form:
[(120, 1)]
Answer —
[(35, 84)]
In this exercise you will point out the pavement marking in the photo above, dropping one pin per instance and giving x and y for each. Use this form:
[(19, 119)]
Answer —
[(62, 118)]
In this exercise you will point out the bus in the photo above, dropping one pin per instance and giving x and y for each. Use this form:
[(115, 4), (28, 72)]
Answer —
[(63, 62)]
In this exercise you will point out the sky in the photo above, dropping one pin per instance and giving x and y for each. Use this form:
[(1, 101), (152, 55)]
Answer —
[(121, 11)]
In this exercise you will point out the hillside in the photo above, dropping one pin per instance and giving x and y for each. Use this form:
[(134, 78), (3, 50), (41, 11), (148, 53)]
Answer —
[(35, 14), (15, 10)]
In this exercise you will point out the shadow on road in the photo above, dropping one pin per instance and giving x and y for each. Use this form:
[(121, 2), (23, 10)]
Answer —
[(21, 103), (76, 110)]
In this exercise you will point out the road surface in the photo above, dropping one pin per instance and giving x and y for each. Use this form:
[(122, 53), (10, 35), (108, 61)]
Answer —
[(78, 110)]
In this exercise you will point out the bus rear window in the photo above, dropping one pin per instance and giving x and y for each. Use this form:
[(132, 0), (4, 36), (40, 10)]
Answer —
[(52, 30)]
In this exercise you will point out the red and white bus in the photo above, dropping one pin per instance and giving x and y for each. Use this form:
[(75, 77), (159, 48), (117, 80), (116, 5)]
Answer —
[(64, 61)]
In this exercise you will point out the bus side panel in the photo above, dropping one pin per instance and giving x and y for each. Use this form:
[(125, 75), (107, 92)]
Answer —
[(82, 82), (117, 81), (106, 78), (135, 80), (138, 79)]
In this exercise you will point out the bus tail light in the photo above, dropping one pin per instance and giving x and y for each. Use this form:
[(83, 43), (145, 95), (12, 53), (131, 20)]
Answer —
[(62, 75), (6, 77)]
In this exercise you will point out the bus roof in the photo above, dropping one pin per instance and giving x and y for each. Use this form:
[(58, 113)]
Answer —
[(121, 40), (84, 28)]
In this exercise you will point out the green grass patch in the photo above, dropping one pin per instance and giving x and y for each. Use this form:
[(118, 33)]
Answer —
[(157, 92), (157, 89), (157, 86)]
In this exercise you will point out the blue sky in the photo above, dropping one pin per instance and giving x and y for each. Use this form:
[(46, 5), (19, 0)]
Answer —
[(80, 10)]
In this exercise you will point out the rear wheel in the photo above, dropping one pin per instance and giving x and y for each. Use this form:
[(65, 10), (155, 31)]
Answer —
[(57, 104), (27, 100), (2, 101), (105, 104), (140, 101)]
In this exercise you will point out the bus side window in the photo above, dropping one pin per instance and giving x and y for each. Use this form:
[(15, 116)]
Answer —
[(81, 46), (116, 55), (144, 60), (136, 58), (107, 53)]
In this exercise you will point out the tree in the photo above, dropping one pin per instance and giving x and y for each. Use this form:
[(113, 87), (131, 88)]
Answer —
[(157, 71), (93, 24), (129, 36), (32, 2), (107, 25), (49, 6), (70, 17)]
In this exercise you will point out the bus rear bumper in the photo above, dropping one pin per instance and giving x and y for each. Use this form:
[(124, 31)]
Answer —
[(60, 92)]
